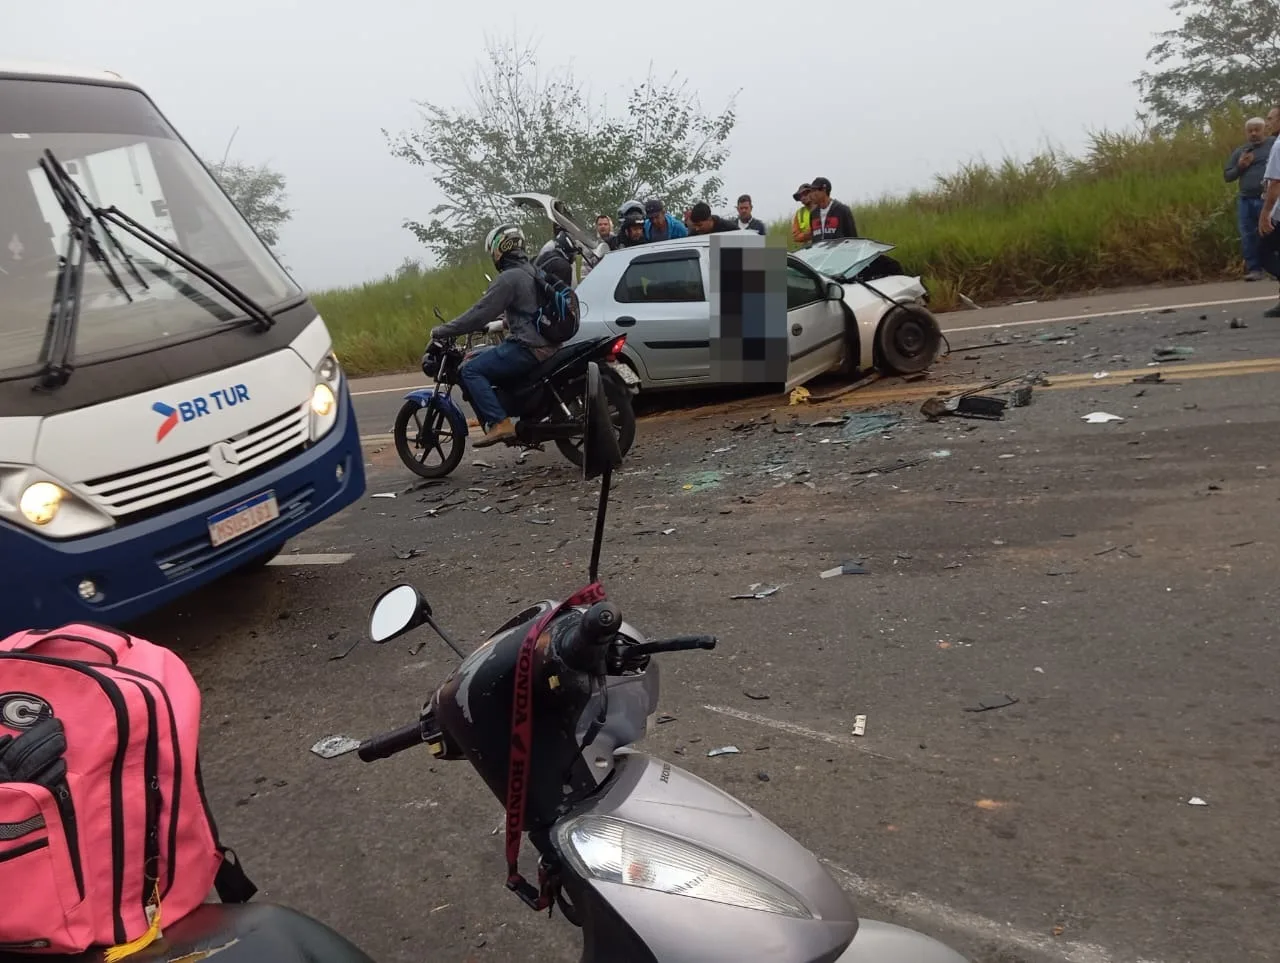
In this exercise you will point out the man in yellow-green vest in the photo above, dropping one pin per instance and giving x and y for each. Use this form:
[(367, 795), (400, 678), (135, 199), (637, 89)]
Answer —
[(800, 229)]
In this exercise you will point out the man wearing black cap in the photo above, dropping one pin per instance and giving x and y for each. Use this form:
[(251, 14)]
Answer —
[(800, 223), (830, 218)]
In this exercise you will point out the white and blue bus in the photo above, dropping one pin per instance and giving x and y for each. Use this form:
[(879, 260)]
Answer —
[(170, 405)]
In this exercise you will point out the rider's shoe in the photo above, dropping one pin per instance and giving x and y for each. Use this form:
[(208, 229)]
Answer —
[(502, 431)]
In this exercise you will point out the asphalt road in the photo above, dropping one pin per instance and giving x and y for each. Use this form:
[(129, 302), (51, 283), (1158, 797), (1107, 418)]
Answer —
[(1117, 580)]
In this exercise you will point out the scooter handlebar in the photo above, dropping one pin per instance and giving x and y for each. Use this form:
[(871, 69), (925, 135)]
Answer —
[(389, 743), (582, 646)]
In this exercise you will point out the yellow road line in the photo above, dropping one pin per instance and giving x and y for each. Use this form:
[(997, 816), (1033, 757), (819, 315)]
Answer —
[(1172, 372)]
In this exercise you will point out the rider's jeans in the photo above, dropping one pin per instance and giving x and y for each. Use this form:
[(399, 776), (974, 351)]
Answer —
[(503, 364)]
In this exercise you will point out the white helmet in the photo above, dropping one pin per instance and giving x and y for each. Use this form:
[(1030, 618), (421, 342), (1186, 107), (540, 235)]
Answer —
[(502, 240)]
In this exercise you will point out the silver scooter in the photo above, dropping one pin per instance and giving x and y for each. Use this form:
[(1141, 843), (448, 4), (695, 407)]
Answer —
[(654, 864)]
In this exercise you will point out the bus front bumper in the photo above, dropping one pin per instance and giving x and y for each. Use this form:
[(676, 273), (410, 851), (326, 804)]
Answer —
[(140, 566)]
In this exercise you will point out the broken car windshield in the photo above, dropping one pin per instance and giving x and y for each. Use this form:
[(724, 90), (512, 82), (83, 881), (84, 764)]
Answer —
[(842, 259)]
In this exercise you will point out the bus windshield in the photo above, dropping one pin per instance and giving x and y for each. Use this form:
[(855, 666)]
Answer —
[(120, 152)]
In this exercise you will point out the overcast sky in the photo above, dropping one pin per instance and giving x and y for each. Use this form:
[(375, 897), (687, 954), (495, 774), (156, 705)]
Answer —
[(876, 97)]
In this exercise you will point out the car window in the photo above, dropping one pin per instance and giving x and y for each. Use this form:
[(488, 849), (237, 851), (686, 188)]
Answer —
[(802, 288), (666, 280)]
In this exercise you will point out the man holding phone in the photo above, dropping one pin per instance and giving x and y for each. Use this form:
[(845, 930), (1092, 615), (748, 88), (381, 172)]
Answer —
[(1246, 167)]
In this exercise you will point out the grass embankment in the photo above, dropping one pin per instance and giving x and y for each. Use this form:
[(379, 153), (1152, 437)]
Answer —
[(1132, 209)]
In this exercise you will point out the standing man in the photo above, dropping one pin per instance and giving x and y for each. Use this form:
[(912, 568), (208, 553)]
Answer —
[(1246, 167), (1269, 242), (745, 221), (830, 219), (659, 225), (604, 231), (800, 232)]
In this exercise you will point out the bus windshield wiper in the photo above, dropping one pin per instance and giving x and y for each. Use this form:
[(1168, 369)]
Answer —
[(64, 315), (115, 217)]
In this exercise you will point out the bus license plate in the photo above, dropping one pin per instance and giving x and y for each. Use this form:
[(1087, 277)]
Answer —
[(240, 519)]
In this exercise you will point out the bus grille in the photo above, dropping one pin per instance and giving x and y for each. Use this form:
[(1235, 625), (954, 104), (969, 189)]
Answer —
[(141, 489)]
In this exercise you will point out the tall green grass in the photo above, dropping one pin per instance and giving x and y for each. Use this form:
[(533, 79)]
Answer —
[(1132, 208)]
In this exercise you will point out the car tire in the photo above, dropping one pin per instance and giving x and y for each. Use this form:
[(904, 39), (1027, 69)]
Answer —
[(907, 340)]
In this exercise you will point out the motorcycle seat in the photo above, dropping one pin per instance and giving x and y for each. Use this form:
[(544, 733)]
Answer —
[(246, 933), (561, 357)]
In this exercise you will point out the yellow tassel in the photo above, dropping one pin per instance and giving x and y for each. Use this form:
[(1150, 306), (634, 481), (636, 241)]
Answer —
[(115, 953)]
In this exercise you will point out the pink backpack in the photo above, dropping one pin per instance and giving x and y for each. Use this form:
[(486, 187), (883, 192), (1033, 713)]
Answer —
[(103, 818)]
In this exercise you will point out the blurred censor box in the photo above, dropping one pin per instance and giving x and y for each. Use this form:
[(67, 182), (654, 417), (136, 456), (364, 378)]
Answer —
[(748, 309)]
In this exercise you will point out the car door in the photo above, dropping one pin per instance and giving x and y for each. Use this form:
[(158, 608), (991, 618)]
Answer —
[(661, 304), (815, 324)]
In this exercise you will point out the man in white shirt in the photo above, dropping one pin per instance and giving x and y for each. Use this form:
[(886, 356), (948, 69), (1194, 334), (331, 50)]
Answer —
[(1269, 219)]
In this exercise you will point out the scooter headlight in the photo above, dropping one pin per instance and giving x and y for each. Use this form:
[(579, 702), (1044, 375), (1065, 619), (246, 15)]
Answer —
[(615, 851)]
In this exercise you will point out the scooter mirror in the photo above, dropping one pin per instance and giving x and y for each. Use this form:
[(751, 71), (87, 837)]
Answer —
[(600, 451), (396, 611)]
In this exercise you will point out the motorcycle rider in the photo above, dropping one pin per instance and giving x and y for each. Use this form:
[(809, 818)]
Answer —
[(631, 230), (514, 294)]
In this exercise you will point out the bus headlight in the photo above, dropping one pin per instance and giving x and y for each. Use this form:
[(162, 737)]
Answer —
[(40, 502), (324, 396), (322, 400)]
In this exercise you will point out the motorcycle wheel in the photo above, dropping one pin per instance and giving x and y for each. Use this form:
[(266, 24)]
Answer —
[(425, 430), (621, 413)]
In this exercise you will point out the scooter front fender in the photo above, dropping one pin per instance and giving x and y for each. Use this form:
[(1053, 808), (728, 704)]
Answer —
[(878, 942)]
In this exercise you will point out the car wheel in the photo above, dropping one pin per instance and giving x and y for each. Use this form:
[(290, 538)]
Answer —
[(907, 340)]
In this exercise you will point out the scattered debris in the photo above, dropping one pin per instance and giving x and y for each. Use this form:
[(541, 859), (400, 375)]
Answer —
[(481, 463), (868, 424), (1099, 375), (668, 531), (721, 451), (798, 396), (940, 453), (757, 696), (827, 422), (663, 719), (1193, 331), (1038, 669), (724, 751), (853, 567), (417, 647), (965, 406), (1173, 353), (405, 554), (384, 495), (1020, 397), (331, 746), (995, 702), (342, 655), (703, 481), (1100, 418), (1062, 570), (859, 725), (1237, 323), (762, 776), (1154, 378), (990, 804), (541, 521), (756, 592), (1196, 801)]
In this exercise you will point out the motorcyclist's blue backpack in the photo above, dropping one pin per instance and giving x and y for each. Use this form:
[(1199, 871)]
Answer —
[(558, 311)]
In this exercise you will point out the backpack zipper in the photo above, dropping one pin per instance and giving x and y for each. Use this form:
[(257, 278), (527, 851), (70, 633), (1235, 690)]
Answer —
[(25, 848), (177, 778), (116, 698), (151, 774), (62, 797)]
